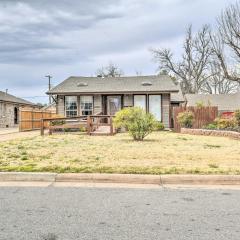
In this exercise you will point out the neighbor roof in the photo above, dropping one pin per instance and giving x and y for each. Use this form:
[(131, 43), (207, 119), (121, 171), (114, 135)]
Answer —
[(224, 102), (5, 97), (115, 85)]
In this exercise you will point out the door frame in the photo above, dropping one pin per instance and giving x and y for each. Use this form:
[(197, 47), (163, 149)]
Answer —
[(105, 104)]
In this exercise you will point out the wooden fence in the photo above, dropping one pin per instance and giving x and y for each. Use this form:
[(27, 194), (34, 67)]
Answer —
[(202, 116), (30, 119)]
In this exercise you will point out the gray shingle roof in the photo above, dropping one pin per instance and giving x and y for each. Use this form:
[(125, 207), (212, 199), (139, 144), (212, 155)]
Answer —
[(177, 97), (115, 85), (224, 102), (5, 97)]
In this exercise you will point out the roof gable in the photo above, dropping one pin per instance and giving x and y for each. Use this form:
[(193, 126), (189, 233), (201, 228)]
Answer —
[(6, 97)]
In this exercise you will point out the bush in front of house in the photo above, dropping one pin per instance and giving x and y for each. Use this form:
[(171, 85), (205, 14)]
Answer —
[(237, 116), (160, 126), (211, 126), (58, 122), (225, 123), (186, 119), (136, 121)]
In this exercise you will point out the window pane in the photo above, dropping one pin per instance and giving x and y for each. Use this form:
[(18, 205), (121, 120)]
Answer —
[(86, 103), (140, 101), (155, 106), (71, 106)]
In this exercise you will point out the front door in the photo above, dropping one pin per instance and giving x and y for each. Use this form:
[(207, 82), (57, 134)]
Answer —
[(113, 104)]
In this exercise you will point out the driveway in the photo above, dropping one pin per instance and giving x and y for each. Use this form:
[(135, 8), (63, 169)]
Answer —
[(60, 213), (13, 133)]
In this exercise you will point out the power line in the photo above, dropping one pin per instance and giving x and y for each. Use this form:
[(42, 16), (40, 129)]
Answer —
[(35, 97)]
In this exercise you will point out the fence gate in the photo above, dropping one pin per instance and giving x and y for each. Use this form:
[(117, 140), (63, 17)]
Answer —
[(31, 119), (202, 116)]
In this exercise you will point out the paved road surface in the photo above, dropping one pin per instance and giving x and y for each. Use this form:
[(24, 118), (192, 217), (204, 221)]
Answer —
[(64, 213)]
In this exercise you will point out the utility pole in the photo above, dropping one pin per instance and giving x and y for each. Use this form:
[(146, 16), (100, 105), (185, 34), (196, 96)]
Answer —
[(49, 87)]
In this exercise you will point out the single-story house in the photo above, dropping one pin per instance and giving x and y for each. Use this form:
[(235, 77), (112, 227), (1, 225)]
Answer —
[(224, 102), (9, 109), (78, 96)]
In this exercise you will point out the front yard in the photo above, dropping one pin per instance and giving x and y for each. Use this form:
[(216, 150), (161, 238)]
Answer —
[(161, 152)]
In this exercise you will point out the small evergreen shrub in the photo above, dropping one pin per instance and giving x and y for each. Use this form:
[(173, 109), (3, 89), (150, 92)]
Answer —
[(225, 123), (58, 122), (160, 126), (211, 126), (136, 121), (186, 119), (237, 116)]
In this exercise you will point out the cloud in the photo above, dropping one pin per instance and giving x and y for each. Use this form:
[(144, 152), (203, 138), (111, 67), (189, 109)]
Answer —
[(75, 37)]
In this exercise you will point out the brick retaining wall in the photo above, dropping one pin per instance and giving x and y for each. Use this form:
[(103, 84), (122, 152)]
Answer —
[(206, 132)]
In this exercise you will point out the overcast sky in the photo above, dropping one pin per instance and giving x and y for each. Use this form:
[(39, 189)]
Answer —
[(75, 37)]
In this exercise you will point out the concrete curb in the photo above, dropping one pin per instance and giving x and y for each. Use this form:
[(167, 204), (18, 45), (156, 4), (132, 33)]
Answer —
[(27, 177), (122, 178), (108, 178), (201, 179)]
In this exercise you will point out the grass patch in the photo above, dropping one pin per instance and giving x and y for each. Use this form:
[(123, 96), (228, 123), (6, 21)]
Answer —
[(161, 153)]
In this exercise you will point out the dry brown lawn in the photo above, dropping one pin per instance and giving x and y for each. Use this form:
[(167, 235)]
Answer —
[(161, 152)]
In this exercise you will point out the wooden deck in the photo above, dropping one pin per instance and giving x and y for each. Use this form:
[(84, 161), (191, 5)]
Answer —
[(95, 125)]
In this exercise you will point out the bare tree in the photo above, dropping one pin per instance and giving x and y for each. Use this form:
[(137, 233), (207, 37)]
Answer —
[(228, 40), (110, 70), (192, 70), (217, 83)]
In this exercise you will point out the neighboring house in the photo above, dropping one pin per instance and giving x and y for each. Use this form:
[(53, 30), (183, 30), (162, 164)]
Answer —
[(96, 95), (224, 102), (50, 108), (9, 109)]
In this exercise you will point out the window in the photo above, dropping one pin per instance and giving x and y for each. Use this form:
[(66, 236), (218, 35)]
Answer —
[(155, 106), (86, 103), (71, 106), (140, 101)]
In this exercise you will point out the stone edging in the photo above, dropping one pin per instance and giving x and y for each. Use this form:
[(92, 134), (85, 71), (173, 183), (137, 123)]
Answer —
[(160, 180), (207, 132)]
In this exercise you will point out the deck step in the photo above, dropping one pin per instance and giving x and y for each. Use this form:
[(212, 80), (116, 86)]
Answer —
[(102, 131)]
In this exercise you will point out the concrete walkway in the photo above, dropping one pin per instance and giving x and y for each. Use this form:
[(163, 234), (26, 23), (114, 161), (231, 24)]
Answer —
[(12, 135), (8, 130)]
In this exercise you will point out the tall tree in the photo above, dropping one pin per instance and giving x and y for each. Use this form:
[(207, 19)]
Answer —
[(192, 69), (111, 70), (227, 41)]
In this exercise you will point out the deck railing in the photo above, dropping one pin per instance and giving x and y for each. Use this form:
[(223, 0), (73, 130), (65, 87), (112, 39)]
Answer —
[(91, 122)]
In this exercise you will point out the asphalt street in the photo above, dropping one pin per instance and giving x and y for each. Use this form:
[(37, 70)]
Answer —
[(67, 213)]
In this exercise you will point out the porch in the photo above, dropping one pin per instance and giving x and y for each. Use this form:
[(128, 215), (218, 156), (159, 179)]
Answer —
[(94, 125), (108, 104)]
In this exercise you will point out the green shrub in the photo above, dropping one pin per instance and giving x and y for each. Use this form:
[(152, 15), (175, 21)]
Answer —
[(160, 126), (237, 116), (225, 123), (200, 104), (211, 126), (58, 123), (136, 121), (82, 129), (186, 119)]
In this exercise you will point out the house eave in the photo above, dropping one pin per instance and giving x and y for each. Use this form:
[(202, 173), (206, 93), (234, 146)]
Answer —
[(113, 92), (17, 103)]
